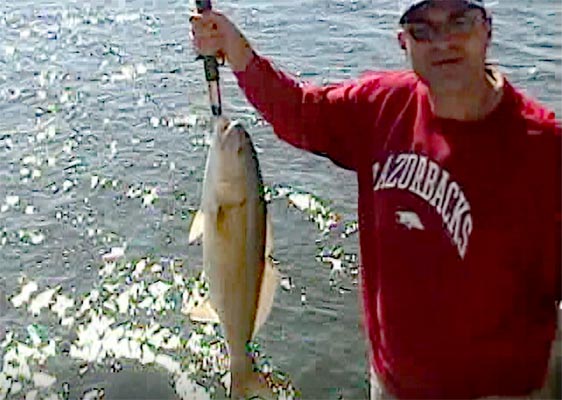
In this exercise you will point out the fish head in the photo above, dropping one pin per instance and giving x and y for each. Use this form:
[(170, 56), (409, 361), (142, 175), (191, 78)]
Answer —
[(231, 163), (231, 137)]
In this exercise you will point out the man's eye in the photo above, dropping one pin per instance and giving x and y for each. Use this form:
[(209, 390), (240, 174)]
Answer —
[(461, 21)]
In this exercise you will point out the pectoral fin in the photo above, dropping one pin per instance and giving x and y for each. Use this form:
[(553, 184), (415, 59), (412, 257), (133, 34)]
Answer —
[(267, 294), (197, 225), (204, 312)]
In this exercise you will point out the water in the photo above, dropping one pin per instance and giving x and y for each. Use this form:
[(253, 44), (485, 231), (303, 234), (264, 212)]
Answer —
[(110, 90)]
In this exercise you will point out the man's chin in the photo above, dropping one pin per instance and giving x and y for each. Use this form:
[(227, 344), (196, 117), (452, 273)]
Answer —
[(446, 84)]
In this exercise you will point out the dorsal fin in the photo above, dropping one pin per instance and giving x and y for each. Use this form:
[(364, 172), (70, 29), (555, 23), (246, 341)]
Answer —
[(269, 283)]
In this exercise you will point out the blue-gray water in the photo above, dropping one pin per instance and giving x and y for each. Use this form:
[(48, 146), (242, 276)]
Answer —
[(87, 89)]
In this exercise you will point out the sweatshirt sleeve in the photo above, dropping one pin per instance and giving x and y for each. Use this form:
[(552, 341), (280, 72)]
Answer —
[(325, 120), (557, 235), (550, 159)]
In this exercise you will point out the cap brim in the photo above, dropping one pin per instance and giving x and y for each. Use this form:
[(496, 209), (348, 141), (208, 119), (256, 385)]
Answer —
[(423, 3)]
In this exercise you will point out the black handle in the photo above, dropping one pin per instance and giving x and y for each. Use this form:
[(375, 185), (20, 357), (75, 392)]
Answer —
[(211, 66), (203, 5)]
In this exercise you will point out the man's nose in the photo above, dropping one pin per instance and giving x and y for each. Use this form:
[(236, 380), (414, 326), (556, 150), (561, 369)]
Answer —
[(441, 34)]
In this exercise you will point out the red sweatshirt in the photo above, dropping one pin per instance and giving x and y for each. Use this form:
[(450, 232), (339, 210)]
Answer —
[(459, 226)]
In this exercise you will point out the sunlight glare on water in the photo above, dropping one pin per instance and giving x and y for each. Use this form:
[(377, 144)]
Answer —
[(103, 134)]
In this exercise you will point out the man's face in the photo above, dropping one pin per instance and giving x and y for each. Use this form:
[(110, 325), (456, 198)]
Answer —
[(447, 43)]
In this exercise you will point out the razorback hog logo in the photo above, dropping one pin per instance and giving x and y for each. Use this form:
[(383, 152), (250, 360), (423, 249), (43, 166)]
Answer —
[(424, 178)]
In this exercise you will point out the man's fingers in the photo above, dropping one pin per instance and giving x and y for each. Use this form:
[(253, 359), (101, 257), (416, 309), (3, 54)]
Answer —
[(208, 32), (206, 43), (207, 16), (206, 36), (199, 24)]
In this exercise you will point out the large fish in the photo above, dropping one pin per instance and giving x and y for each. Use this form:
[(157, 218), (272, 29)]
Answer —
[(237, 243)]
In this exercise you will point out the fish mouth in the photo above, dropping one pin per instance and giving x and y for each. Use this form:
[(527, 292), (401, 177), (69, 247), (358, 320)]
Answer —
[(232, 138), (447, 61)]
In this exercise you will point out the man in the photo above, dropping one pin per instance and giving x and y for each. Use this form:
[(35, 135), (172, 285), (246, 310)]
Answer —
[(459, 201)]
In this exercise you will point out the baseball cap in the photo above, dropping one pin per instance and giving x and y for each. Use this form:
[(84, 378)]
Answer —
[(406, 6)]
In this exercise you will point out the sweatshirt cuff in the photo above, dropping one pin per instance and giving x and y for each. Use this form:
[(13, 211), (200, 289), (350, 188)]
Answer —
[(252, 68)]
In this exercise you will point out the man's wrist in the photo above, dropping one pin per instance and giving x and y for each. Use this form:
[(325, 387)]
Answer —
[(241, 56)]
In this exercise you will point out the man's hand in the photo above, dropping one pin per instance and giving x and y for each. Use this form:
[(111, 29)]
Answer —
[(213, 34)]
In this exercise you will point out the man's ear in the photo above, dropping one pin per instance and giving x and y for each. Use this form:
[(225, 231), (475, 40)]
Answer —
[(401, 40)]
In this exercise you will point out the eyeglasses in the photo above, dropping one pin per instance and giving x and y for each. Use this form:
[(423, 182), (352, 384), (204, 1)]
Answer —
[(424, 31)]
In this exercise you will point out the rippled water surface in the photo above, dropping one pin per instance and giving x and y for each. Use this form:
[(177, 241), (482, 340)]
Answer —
[(104, 114)]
